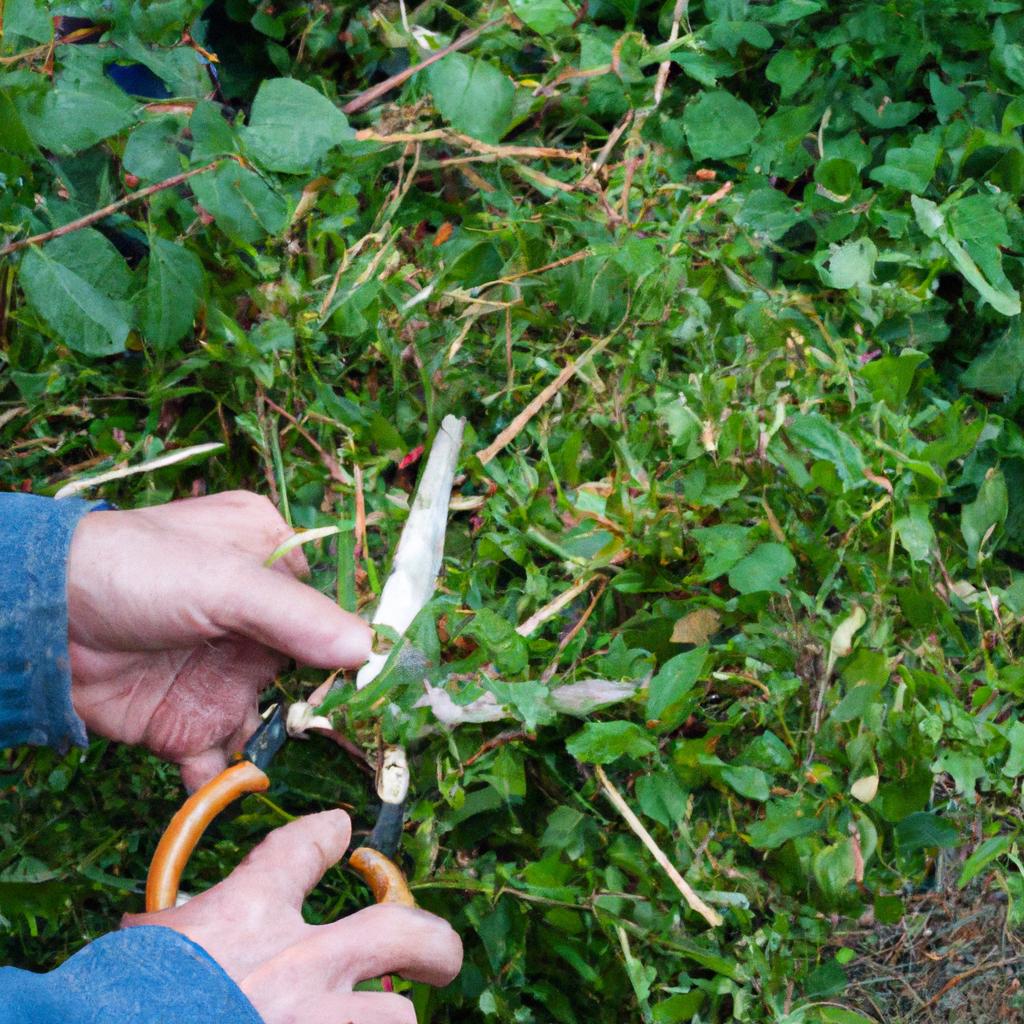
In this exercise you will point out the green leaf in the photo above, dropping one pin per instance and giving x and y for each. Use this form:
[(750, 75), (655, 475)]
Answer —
[(789, 69), (604, 742), (916, 533), (824, 440), (500, 640), (910, 169), (151, 152), (292, 127), (211, 135), (74, 114), (986, 852), (243, 204), (29, 19), (747, 781), (545, 17), (78, 283), (984, 514), (834, 867), (922, 830), (851, 265), (472, 96), (721, 547), (670, 693), (784, 820), (719, 126), (174, 284), (763, 569), (1015, 760)]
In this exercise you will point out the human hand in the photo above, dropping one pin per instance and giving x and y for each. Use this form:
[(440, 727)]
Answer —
[(175, 625), (251, 924)]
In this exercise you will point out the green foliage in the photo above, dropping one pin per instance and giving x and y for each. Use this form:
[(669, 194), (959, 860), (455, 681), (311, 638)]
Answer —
[(791, 289)]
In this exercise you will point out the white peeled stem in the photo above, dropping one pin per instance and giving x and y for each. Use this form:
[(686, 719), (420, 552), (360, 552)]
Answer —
[(420, 551)]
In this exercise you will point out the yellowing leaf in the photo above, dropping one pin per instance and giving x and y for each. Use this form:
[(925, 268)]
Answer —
[(697, 627), (864, 789)]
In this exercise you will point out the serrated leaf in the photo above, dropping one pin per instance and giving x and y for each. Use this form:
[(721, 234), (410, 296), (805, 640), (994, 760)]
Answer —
[(174, 283), (763, 569), (243, 204), (719, 126), (472, 96), (544, 16), (604, 742), (669, 695), (78, 284), (292, 126), (73, 114)]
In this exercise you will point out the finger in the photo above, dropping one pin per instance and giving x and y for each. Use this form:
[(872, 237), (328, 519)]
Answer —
[(198, 769), (292, 859), (384, 939), (279, 611), (273, 992)]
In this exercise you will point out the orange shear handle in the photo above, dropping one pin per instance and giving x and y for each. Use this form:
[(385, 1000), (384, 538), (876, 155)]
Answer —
[(382, 875), (188, 825)]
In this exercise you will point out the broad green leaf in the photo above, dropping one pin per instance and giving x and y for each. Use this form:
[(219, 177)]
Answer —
[(174, 283), (789, 69), (151, 152), (784, 820), (212, 136), (910, 169), (916, 533), (984, 514), (79, 284), (73, 114), (964, 768), (719, 126), (986, 852), (763, 569), (242, 203), (500, 640), (1015, 760), (747, 781), (27, 18), (721, 547), (922, 830), (604, 742), (473, 96), (824, 440), (545, 17), (834, 867), (292, 126), (851, 265), (670, 695)]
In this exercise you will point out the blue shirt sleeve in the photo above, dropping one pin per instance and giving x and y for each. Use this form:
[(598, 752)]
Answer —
[(144, 975), (35, 675)]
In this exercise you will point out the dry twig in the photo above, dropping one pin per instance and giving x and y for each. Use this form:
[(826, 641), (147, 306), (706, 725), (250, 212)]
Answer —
[(693, 901)]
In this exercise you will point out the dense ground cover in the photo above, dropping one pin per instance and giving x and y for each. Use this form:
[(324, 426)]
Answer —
[(766, 260)]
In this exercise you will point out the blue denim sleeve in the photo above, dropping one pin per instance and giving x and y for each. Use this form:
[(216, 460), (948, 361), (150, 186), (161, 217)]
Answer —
[(35, 677), (144, 975)]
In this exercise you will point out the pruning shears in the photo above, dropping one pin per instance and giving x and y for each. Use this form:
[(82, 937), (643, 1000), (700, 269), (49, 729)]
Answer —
[(410, 585), (373, 861)]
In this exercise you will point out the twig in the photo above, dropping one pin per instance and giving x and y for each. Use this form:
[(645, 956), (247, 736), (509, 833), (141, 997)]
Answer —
[(663, 69), (552, 608), (497, 741), (980, 969), (167, 459), (484, 148), (694, 902), (364, 99), (106, 211), (537, 403), (571, 635), (329, 461)]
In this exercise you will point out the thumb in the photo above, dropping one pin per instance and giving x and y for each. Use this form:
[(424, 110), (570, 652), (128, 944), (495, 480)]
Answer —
[(291, 617), (293, 858)]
